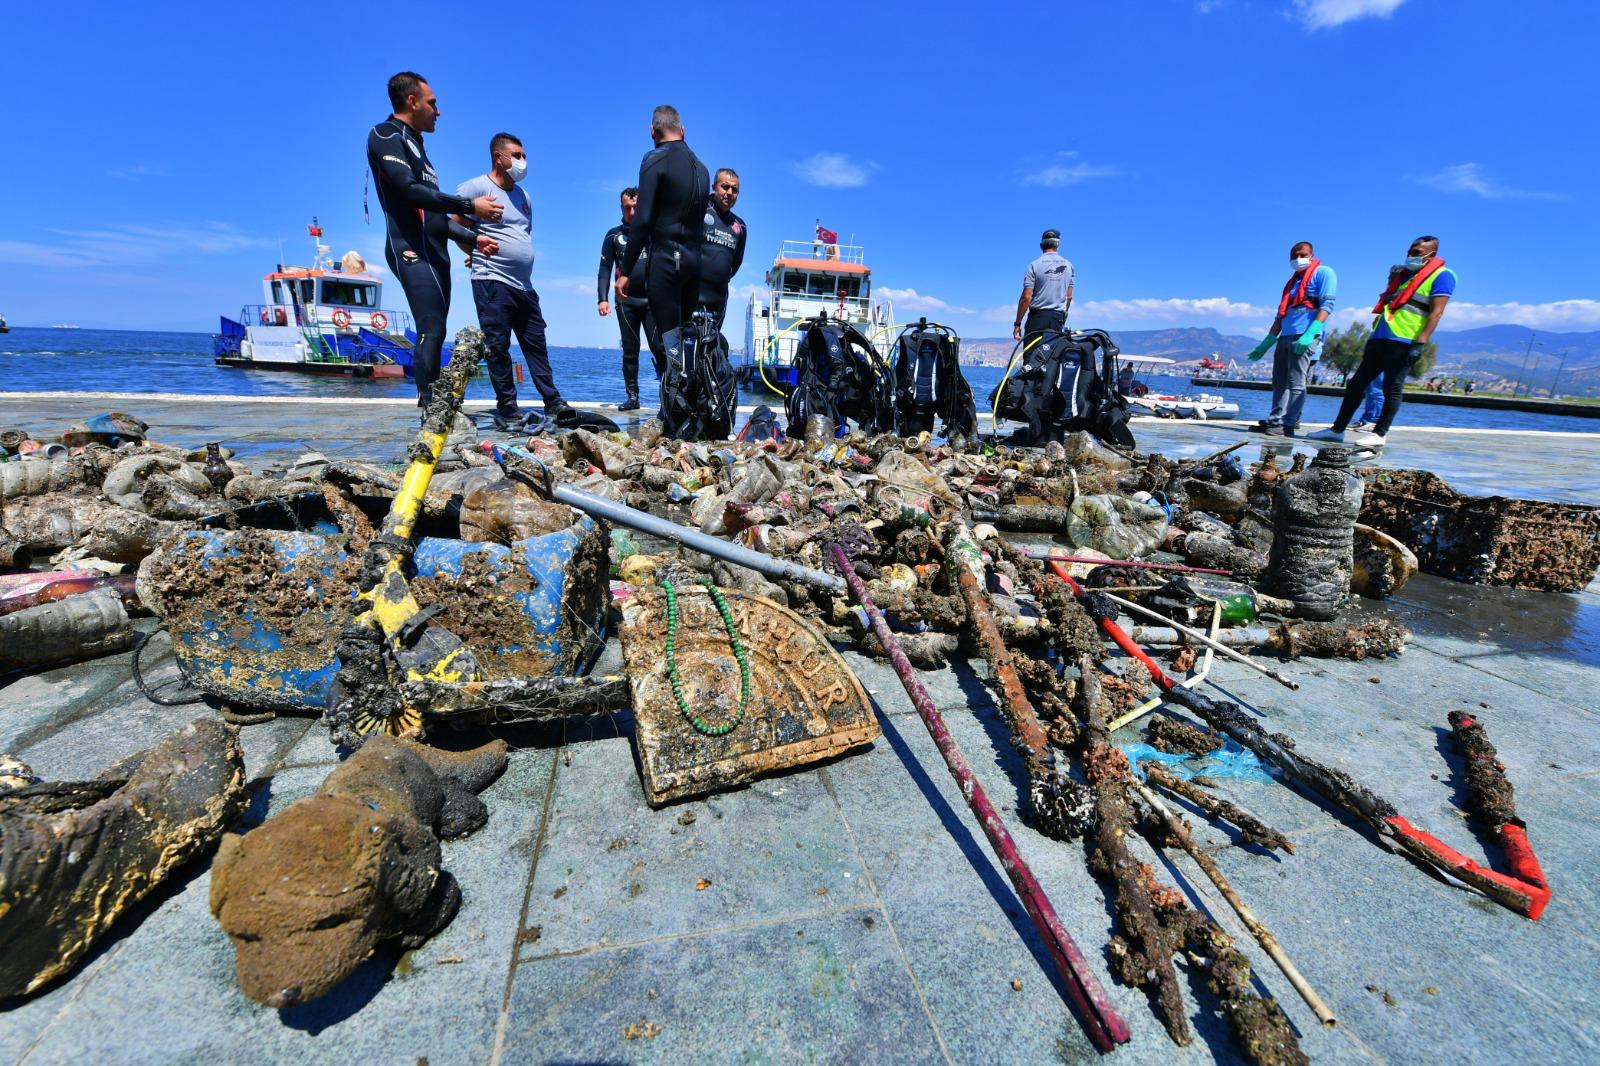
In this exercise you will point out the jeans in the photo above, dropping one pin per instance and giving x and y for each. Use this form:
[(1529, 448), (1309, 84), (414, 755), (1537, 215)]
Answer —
[(1289, 373), (1373, 406), (502, 310), (1390, 359)]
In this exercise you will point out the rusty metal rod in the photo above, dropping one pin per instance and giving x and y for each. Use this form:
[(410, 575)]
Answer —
[(1104, 1027), (1263, 935), (1028, 734), (1131, 564)]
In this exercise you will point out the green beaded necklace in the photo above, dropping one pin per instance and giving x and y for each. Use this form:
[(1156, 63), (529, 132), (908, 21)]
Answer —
[(700, 724)]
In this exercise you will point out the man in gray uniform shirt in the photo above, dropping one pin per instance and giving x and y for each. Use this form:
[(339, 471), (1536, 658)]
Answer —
[(502, 283), (1046, 290)]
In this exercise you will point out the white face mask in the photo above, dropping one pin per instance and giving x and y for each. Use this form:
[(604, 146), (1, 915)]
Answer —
[(1301, 262), (517, 169), (1417, 262)]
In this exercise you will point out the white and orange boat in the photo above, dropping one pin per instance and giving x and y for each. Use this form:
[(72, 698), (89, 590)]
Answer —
[(327, 318), (807, 280)]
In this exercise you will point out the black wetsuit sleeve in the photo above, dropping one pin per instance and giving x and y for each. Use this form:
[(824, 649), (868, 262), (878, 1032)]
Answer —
[(388, 154), (458, 232), (644, 211), (738, 249), (608, 259)]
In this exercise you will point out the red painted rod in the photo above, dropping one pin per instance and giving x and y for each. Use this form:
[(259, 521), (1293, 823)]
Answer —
[(1178, 568), (1099, 1018)]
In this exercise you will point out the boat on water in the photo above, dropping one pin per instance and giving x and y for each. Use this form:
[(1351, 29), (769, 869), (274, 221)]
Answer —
[(1145, 400), (5, 327), (807, 280), (327, 318)]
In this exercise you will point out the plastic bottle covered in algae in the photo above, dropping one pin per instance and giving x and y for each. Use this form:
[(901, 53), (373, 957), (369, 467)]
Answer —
[(1314, 519)]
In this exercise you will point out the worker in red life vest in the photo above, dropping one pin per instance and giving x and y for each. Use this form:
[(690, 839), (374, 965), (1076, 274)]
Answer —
[(1407, 314), (1296, 337)]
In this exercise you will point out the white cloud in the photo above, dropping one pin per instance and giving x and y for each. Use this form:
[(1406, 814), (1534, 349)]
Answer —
[(27, 253), (125, 244), (1054, 177), (912, 300), (1325, 14), (1206, 7), (1170, 309), (833, 170), (1557, 314), (1470, 178)]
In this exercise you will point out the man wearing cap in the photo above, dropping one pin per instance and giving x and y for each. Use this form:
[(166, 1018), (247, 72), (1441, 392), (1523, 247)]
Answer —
[(1046, 290)]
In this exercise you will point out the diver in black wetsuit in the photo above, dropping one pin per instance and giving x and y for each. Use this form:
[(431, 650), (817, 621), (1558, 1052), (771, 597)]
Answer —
[(633, 312), (673, 186), (418, 218), (723, 251)]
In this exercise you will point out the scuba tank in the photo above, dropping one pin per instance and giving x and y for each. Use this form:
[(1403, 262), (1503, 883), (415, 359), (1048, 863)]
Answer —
[(1314, 518)]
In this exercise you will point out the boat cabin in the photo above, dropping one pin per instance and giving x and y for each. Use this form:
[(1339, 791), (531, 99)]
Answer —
[(809, 278)]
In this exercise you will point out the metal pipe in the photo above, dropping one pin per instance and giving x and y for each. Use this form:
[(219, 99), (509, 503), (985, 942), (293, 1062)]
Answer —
[(623, 515), (1195, 634), (1104, 1027)]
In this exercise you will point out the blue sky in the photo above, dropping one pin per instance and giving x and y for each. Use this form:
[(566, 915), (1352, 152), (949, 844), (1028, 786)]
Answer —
[(155, 156)]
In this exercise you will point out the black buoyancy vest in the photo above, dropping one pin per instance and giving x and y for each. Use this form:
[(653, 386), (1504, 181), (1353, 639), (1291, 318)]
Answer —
[(839, 375), (698, 388), (929, 383), (1063, 383)]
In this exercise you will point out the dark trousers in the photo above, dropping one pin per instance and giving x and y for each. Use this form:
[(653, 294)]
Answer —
[(1040, 319), (426, 281), (502, 310), (673, 283), (630, 321), (1390, 358)]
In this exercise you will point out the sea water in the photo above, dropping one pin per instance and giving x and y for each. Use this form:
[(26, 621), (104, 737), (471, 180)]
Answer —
[(84, 360)]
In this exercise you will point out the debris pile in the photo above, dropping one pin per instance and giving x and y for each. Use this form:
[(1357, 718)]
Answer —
[(478, 586), (1485, 540)]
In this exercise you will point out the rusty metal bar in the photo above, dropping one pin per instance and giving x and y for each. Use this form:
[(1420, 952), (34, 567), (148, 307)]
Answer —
[(1105, 1028), (1049, 791)]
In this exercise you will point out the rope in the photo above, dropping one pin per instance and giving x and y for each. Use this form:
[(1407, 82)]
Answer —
[(700, 724), (153, 694)]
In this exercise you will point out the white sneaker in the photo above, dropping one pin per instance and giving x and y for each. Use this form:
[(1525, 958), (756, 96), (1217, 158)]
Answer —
[(1327, 435), (1369, 440), (1361, 427)]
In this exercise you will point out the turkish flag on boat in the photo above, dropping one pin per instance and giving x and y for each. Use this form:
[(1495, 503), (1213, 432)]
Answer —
[(826, 236), (315, 231)]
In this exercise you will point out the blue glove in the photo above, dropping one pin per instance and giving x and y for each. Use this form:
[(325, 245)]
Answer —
[(1308, 338), (1265, 346)]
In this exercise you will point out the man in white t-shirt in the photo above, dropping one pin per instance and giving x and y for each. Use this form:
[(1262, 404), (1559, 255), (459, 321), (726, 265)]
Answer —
[(502, 283)]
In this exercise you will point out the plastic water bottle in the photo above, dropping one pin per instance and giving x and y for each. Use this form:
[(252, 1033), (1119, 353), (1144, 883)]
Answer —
[(1314, 516)]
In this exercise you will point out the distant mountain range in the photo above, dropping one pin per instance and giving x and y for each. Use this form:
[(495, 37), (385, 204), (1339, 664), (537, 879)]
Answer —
[(1486, 353)]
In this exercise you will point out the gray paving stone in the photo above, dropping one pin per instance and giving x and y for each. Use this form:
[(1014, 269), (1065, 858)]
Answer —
[(614, 871), (439, 1002), (828, 988)]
